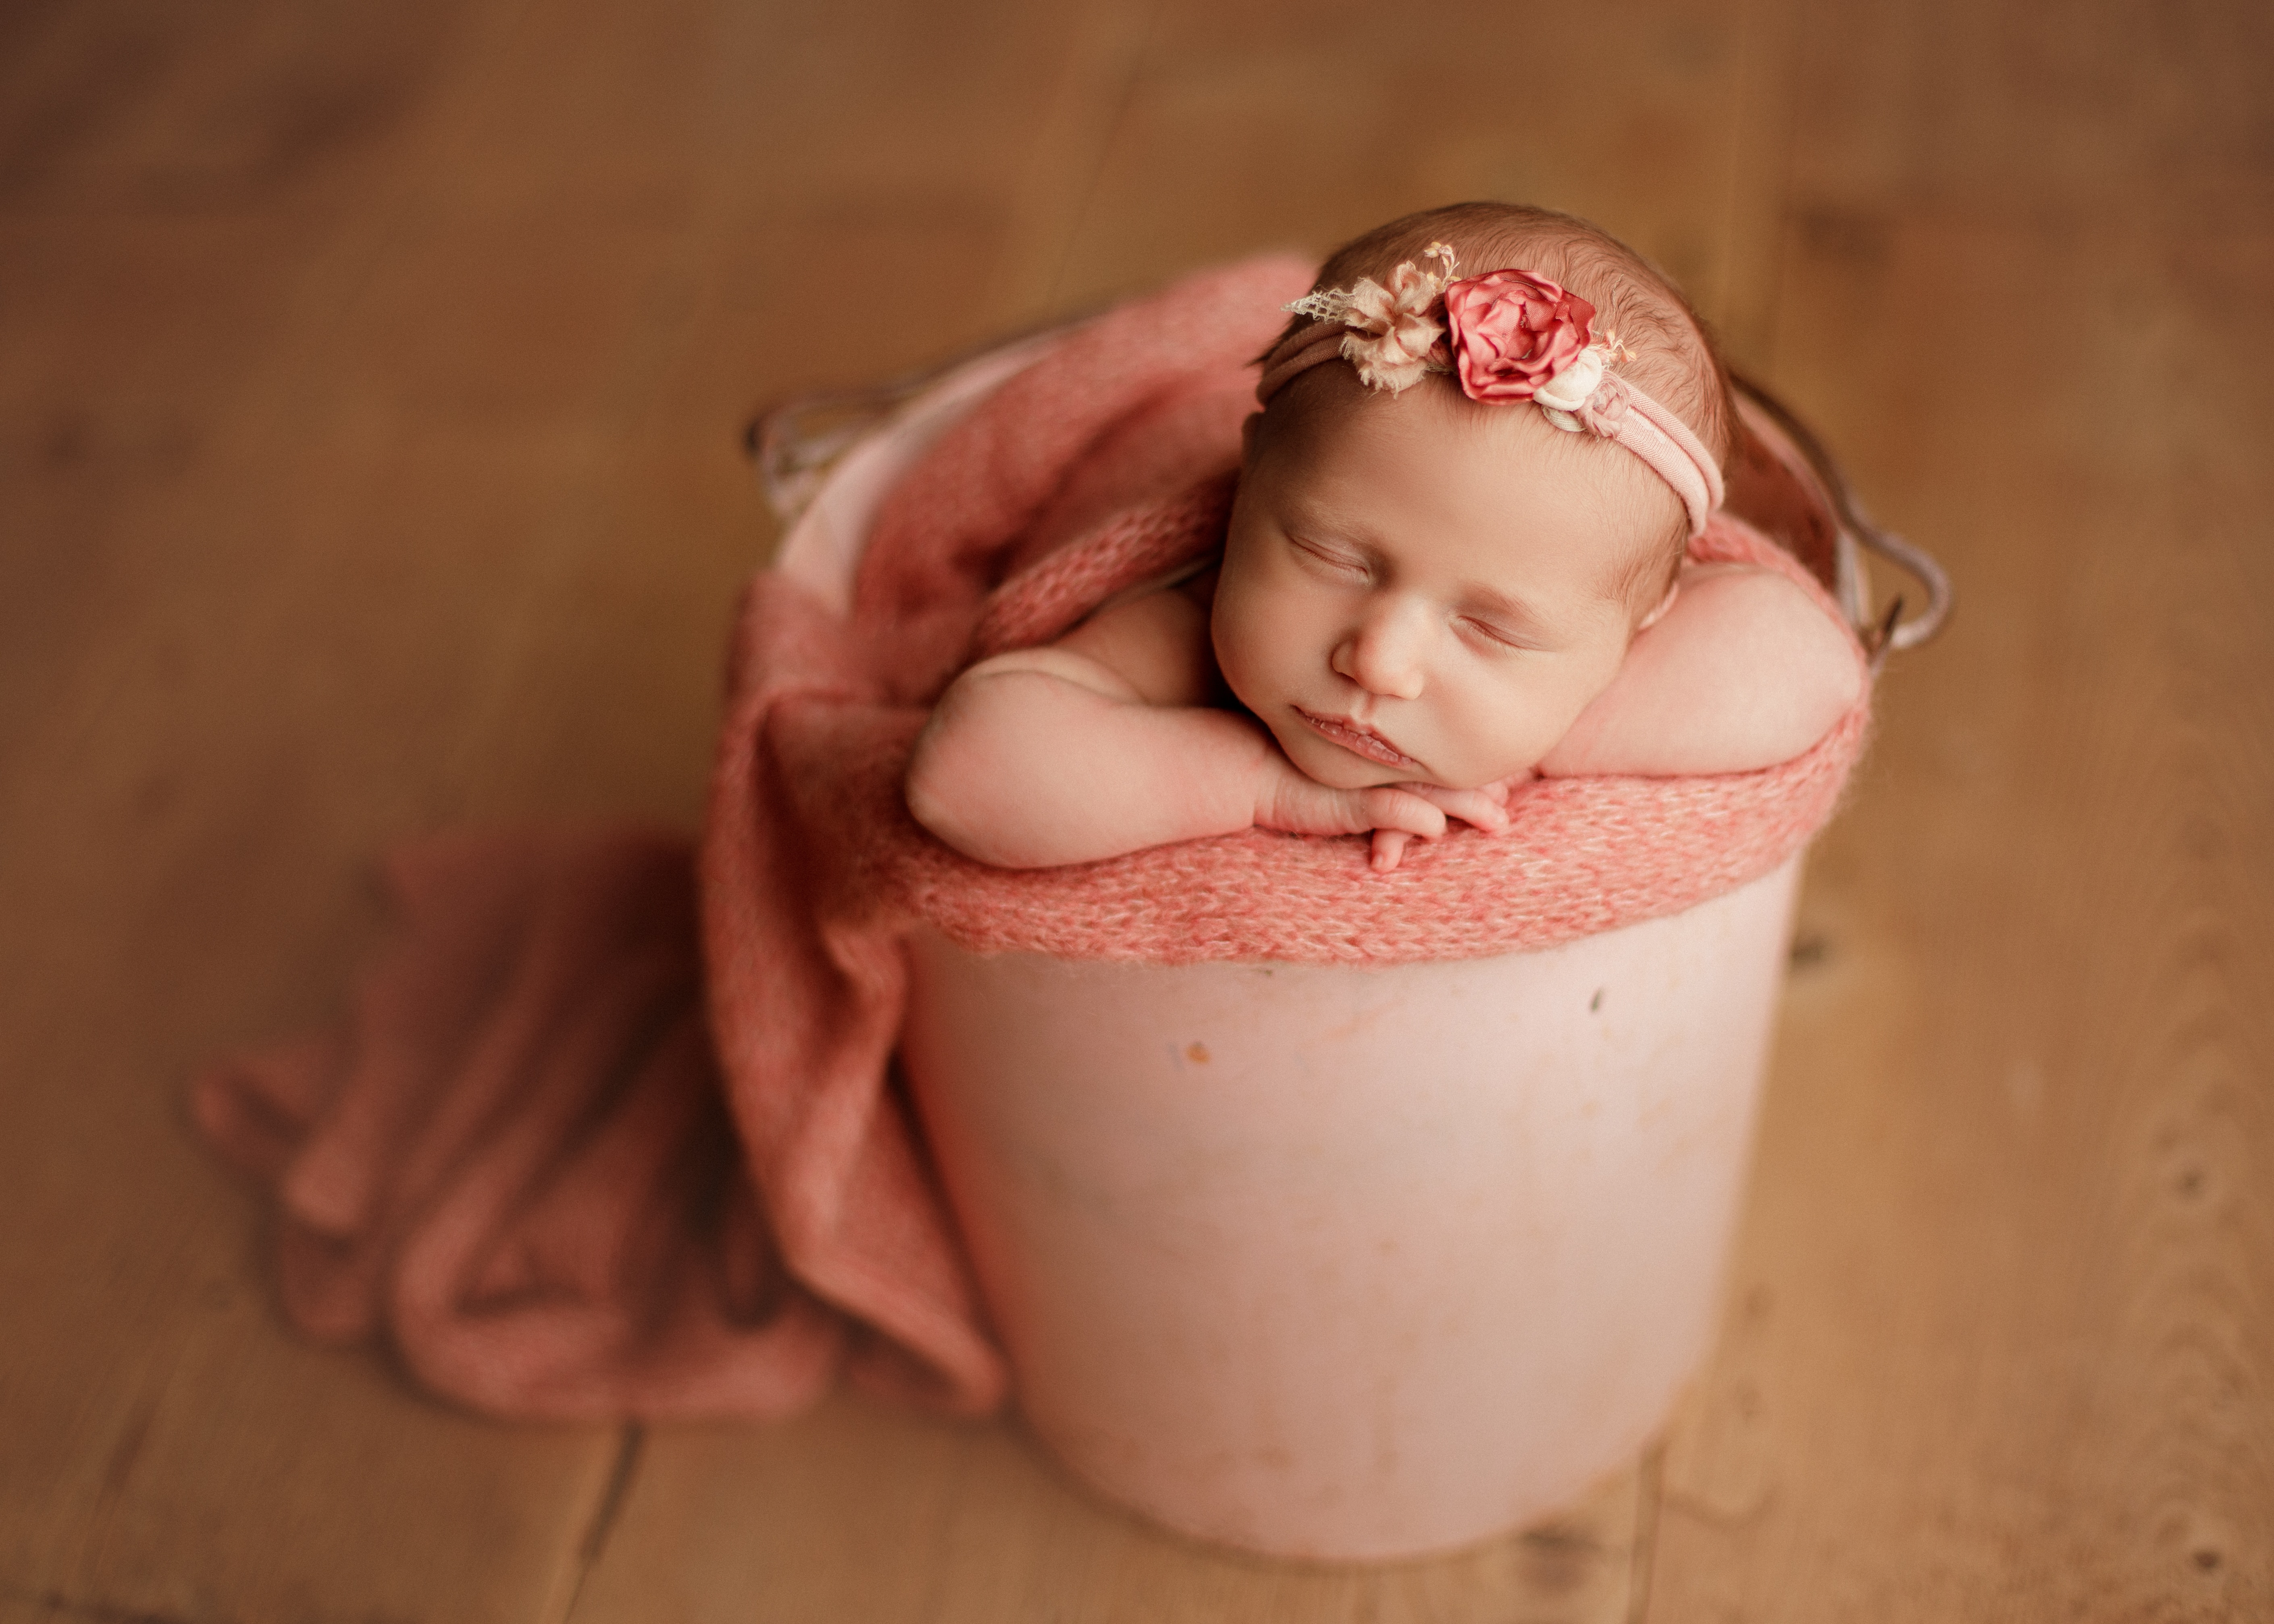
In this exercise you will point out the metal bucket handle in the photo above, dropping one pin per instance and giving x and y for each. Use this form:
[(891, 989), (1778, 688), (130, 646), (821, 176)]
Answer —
[(1882, 632)]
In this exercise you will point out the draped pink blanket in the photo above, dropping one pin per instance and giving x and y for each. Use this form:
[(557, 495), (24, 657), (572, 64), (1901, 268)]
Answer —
[(526, 1159)]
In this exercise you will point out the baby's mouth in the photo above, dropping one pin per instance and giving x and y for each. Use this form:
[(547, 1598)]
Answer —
[(1359, 741)]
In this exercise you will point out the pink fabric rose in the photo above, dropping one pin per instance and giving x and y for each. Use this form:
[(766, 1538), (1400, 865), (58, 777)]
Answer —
[(1511, 332)]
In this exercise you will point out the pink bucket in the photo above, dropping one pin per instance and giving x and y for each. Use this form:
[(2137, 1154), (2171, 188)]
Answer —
[(1332, 1261)]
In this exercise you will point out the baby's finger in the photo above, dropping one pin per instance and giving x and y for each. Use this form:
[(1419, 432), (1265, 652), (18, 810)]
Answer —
[(1389, 846), (1401, 808), (1475, 807), (1503, 790)]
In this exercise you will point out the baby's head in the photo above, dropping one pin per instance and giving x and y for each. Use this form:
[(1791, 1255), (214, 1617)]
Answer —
[(1423, 584)]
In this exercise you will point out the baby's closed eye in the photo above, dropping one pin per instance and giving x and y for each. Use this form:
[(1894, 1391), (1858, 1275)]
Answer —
[(1340, 561), (1498, 636)]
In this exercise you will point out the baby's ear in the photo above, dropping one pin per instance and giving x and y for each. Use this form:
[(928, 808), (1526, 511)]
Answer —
[(1247, 428)]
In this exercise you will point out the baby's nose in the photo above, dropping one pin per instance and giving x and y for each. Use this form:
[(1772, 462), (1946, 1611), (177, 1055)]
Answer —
[(1383, 654)]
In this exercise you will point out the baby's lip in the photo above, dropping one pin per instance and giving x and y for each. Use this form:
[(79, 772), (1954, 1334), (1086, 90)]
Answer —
[(1358, 739)]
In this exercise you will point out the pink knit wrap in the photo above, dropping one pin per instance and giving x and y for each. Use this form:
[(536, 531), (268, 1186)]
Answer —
[(1581, 854), (512, 1158), (811, 848)]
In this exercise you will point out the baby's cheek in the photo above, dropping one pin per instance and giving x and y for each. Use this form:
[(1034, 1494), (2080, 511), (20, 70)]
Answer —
[(1535, 720), (1584, 686), (1242, 651)]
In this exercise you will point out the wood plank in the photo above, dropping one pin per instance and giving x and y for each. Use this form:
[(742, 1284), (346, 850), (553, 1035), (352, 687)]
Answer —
[(2001, 1341), (172, 1453), (190, 877), (856, 1512), (1310, 130)]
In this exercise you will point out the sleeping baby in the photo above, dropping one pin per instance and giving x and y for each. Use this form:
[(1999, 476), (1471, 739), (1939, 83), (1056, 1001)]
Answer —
[(1457, 560)]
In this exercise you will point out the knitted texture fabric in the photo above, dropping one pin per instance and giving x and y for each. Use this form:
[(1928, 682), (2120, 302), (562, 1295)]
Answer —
[(527, 1161), (814, 870), (513, 1160), (1048, 600), (1580, 855), (518, 1160), (809, 858)]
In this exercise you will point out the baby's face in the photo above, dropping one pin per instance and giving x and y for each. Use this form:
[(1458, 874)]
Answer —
[(1413, 589)]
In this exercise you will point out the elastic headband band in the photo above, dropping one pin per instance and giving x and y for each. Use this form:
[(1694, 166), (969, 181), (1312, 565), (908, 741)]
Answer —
[(1506, 337)]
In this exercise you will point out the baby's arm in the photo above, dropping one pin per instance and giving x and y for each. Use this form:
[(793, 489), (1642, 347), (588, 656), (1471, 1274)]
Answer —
[(1105, 742), (1743, 673)]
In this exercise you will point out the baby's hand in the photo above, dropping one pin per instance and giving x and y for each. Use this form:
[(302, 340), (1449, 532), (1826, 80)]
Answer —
[(1396, 813), (1484, 808), (1303, 806)]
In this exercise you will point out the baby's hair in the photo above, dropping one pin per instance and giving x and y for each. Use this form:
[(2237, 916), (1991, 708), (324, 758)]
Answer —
[(1673, 356)]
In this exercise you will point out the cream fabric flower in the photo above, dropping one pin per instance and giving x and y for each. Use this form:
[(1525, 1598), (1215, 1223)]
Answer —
[(1396, 341), (1569, 389)]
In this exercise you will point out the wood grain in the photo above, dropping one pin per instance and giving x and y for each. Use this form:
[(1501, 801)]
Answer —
[(370, 381), (1256, 97), (193, 209), (2002, 1333), (853, 1513)]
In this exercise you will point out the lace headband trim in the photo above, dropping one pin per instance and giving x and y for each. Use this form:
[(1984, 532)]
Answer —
[(1507, 335)]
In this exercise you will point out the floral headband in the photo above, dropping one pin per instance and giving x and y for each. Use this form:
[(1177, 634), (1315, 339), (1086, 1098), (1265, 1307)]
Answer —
[(1505, 336)]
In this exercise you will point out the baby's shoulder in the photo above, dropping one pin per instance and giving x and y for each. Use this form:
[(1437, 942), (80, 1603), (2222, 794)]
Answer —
[(1760, 616), (1155, 636), (1746, 669), (1766, 671)]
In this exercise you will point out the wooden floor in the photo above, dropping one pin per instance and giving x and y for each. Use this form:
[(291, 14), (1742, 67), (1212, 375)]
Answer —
[(369, 381)]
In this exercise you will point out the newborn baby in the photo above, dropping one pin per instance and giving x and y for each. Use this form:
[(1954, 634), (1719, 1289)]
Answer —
[(1456, 561)]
